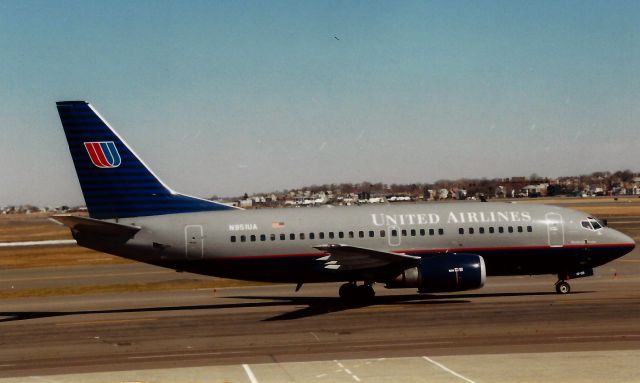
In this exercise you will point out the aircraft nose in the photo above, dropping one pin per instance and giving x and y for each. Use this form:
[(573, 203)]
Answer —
[(624, 240)]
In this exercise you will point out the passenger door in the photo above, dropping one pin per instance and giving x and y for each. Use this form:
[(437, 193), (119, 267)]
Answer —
[(555, 229)]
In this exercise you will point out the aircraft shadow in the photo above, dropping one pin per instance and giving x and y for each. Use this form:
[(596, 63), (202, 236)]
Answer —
[(323, 305), (314, 305)]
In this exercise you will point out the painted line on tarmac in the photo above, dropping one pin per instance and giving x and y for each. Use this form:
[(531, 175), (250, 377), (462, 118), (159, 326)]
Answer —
[(106, 322), (250, 375), (39, 243), (445, 368), (347, 371)]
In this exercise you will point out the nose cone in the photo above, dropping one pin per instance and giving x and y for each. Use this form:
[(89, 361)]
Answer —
[(623, 240)]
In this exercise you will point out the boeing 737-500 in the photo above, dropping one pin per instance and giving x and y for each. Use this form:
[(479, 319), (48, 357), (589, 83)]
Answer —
[(432, 247)]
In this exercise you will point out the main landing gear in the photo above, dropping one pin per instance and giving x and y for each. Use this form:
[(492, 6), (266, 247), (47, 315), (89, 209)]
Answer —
[(351, 292), (563, 287)]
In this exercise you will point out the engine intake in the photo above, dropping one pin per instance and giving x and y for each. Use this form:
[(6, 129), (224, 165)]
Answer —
[(444, 273)]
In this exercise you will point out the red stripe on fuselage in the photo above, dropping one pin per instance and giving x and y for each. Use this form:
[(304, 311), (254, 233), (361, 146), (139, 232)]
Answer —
[(457, 250)]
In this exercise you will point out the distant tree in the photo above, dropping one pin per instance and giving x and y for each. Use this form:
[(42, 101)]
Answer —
[(624, 175)]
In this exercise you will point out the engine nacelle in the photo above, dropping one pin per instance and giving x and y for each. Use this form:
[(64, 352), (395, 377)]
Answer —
[(444, 273)]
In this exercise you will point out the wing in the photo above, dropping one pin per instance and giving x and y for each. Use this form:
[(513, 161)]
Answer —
[(352, 258)]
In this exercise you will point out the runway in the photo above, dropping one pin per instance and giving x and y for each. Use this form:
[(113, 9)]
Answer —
[(274, 330)]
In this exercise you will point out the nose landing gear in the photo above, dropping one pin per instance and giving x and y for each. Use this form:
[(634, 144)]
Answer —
[(563, 287)]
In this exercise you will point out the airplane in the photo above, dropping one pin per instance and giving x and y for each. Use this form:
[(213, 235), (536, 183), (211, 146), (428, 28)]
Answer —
[(433, 247)]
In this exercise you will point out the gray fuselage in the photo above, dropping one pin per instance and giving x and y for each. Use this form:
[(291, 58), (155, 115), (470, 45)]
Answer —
[(278, 244)]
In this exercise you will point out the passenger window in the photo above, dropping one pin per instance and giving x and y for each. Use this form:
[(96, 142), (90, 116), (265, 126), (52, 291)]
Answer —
[(519, 229), (394, 233), (312, 236), (413, 232), (233, 238), (440, 231), (273, 237), (361, 234), (331, 235), (351, 234), (481, 230), (371, 233), (340, 234), (282, 237), (529, 229), (431, 232), (510, 229), (491, 230), (500, 229), (460, 231), (423, 232), (263, 237), (321, 235), (243, 238), (253, 238), (383, 233), (470, 230), (292, 236), (404, 233), (301, 235)]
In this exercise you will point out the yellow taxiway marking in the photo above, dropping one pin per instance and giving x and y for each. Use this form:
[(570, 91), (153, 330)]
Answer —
[(106, 321), (78, 276)]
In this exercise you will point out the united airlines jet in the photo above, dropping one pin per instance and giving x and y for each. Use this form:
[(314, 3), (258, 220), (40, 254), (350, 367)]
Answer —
[(433, 247)]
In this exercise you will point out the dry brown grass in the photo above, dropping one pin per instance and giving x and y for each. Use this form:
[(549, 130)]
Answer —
[(610, 211), (72, 255), (30, 227)]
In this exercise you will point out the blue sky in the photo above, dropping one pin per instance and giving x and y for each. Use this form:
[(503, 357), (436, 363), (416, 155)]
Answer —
[(232, 97)]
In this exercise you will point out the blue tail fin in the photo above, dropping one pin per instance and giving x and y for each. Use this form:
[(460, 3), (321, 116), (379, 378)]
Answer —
[(115, 182)]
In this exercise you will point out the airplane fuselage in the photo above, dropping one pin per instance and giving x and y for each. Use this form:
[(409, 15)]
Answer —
[(278, 244)]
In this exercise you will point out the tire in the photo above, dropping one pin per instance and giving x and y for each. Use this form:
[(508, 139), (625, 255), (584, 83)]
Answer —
[(366, 293), (348, 291), (563, 287)]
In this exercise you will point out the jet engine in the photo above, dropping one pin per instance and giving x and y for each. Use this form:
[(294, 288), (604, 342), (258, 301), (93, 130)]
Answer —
[(443, 273)]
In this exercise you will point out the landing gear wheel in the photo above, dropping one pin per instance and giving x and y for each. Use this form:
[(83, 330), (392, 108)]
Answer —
[(563, 287), (366, 292), (348, 291)]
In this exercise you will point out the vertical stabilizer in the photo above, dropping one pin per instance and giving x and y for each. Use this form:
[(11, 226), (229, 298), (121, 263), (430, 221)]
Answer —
[(115, 182)]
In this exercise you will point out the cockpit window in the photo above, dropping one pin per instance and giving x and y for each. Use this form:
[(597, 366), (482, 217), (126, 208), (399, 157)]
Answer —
[(591, 224)]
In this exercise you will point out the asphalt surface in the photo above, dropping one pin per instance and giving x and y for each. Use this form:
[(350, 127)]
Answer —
[(274, 326)]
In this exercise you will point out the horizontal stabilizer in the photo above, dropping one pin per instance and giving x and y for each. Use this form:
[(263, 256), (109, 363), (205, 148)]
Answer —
[(85, 225)]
